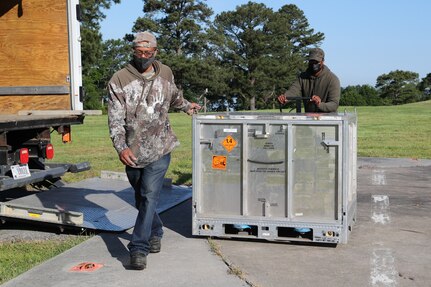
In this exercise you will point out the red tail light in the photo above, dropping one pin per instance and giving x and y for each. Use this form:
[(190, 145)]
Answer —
[(49, 151), (23, 155)]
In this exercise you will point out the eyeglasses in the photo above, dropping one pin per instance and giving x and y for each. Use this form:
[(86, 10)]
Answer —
[(141, 53), (313, 62)]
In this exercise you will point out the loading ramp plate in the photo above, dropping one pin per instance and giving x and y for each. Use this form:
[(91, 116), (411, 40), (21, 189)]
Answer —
[(95, 203)]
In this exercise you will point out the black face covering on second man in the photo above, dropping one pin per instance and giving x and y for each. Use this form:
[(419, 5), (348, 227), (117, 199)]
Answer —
[(142, 64), (314, 68)]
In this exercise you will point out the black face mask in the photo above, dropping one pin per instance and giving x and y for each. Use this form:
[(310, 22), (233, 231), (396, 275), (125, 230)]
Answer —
[(142, 64), (314, 68)]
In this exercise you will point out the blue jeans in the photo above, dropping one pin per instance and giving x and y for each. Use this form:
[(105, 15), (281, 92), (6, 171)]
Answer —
[(147, 183)]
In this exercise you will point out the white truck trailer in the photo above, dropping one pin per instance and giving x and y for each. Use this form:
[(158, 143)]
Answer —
[(40, 88)]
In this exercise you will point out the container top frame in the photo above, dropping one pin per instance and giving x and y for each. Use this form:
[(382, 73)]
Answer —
[(351, 117)]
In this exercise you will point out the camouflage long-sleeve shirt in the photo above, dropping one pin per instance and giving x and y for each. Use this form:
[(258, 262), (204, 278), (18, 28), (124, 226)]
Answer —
[(138, 112)]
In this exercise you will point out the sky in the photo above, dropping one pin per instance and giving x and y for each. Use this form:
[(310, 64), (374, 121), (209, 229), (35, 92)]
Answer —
[(363, 38)]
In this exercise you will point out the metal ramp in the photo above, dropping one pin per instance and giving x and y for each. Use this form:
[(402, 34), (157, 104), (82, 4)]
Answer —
[(97, 203)]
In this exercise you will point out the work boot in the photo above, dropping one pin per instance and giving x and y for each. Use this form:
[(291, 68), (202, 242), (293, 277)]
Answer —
[(138, 261), (155, 244)]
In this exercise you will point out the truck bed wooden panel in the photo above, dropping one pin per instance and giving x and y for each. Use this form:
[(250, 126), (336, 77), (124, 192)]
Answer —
[(34, 52), (13, 104)]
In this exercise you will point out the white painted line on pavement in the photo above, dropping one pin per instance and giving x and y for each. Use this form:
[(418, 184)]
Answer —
[(383, 272), (378, 177), (380, 209)]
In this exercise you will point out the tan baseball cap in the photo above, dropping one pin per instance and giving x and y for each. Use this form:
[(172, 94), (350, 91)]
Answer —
[(316, 54), (145, 39)]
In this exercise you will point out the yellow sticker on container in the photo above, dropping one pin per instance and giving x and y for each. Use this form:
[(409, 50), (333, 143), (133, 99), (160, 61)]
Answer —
[(229, 143), (35, 215), (219, 162)]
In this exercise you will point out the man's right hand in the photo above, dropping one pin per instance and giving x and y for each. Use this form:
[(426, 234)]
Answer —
[(282, 99), (127, 157)]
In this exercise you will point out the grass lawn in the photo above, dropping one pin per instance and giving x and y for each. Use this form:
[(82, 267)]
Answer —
[(18, 257), (395, 131)]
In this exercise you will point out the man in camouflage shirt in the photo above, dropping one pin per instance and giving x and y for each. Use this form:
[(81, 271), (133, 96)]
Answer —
[(140, 96)]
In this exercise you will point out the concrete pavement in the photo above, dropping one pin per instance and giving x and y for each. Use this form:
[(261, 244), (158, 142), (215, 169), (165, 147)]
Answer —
[(389, 246)]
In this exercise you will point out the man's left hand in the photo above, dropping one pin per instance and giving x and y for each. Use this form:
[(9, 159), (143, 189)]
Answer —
[(316, 99)]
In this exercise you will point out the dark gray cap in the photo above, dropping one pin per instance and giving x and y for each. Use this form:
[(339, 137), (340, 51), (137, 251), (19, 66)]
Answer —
[(145, 39), (316, 54)]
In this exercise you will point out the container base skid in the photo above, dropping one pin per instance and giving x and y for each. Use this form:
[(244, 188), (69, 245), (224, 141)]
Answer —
[(273, 231)]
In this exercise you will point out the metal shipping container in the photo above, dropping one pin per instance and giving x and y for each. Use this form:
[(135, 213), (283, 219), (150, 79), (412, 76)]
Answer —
[(278, 177)]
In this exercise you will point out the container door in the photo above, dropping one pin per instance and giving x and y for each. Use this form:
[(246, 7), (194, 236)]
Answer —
[(315, 164), (219, 191), (266, 170)]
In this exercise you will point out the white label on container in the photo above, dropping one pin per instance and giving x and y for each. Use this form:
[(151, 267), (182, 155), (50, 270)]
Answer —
[(230, 130), (299, 214)]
